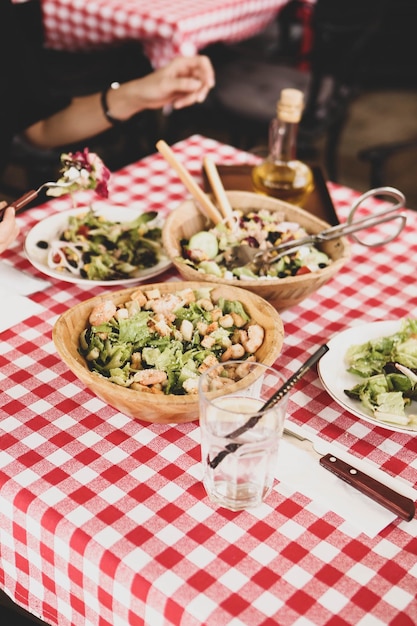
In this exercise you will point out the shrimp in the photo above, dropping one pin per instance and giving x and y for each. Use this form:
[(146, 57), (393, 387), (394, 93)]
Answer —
[(235, 351), (150, 377), (238, 320), (212, 327), (219, 382), (102, 313), (252, 338), (216, 314), (155, 389), (165, 305), (205, 304), (243, 369), (226, 321)]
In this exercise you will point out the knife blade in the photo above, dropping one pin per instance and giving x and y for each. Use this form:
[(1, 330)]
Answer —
[(395, 502)]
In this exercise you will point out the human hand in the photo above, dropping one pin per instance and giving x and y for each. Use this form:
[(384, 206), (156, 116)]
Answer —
[(9, 229), (181, 83)]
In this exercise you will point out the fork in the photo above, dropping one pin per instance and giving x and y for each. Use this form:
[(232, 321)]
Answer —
[(21, 202)]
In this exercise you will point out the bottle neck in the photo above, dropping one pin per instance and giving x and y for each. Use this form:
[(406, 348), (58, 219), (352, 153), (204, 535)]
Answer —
[(283, 140)]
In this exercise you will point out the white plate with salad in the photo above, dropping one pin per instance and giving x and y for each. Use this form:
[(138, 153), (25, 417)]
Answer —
[(354, 343), (108, 245)]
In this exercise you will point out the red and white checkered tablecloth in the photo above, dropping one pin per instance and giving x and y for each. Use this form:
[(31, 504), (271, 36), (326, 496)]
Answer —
[(104, 520), (166, 28)]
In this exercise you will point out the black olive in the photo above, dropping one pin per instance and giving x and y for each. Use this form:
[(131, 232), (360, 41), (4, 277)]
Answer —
[(273, 236)]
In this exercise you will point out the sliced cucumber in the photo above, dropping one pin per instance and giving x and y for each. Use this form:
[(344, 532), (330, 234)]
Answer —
[(210, 267), (206, 242)]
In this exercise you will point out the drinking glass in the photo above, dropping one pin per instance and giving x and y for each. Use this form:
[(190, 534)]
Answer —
[(240, 438)]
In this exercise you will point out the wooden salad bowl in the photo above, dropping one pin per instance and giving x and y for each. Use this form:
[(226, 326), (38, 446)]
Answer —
[(143, 405), (282, 293)]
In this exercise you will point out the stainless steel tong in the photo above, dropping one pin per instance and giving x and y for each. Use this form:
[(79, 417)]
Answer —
[(244, 254)]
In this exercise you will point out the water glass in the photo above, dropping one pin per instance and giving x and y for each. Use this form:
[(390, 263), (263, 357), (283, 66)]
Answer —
[(239, 438)]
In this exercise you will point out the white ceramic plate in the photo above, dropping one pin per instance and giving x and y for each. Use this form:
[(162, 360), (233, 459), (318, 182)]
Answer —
[(49, 229), (335, 378)]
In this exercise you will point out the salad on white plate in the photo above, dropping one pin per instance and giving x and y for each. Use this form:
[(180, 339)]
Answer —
[(387, 367), (106, 245), (101, 243), (95, 248)]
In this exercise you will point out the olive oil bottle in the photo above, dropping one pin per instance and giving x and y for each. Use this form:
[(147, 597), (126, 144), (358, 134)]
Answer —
[(281, 175)]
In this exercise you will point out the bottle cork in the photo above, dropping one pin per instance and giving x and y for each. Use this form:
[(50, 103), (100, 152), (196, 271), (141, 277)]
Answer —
[(290, 105)]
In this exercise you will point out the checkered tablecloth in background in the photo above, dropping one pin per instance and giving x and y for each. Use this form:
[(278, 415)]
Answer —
[(104, 520), (165, 28)]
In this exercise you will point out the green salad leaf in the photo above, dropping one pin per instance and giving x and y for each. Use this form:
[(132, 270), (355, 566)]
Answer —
[(388, 369)]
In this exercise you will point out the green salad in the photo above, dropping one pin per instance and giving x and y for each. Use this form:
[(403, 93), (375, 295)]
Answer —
[(95, 248), (212, 251), (388, 369), (163, 342)]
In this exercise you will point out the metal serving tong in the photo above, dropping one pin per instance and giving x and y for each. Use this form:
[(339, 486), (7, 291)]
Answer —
[(244, 254), (21, 202)]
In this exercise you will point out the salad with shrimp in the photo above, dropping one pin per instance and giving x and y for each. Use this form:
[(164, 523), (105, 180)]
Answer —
[(211, 251), (162, 343)]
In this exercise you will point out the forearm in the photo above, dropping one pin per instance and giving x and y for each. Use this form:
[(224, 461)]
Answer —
[(181, 83), (82, 119)]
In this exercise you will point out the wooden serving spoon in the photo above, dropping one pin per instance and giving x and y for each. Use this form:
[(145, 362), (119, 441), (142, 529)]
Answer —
[(202, 199), (218, 190)]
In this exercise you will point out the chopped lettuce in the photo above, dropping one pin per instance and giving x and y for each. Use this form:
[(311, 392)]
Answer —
[(386, 390), (165, 357), (234, 306), (371, 357), (98, 249), (135, 329), (142, 339), (406, 353)]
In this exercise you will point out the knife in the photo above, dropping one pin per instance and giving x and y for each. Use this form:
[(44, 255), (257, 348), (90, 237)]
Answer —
[(385, 496)]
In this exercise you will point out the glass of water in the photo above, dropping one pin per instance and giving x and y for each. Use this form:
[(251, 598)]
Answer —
[(239, 437)]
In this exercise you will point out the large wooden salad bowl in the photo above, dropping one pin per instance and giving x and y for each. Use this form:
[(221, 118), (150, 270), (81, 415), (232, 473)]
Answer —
[(143, 405), (282, 293)]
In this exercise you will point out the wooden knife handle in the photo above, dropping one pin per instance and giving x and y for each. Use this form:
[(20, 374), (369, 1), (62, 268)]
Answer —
[(388, 498)]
